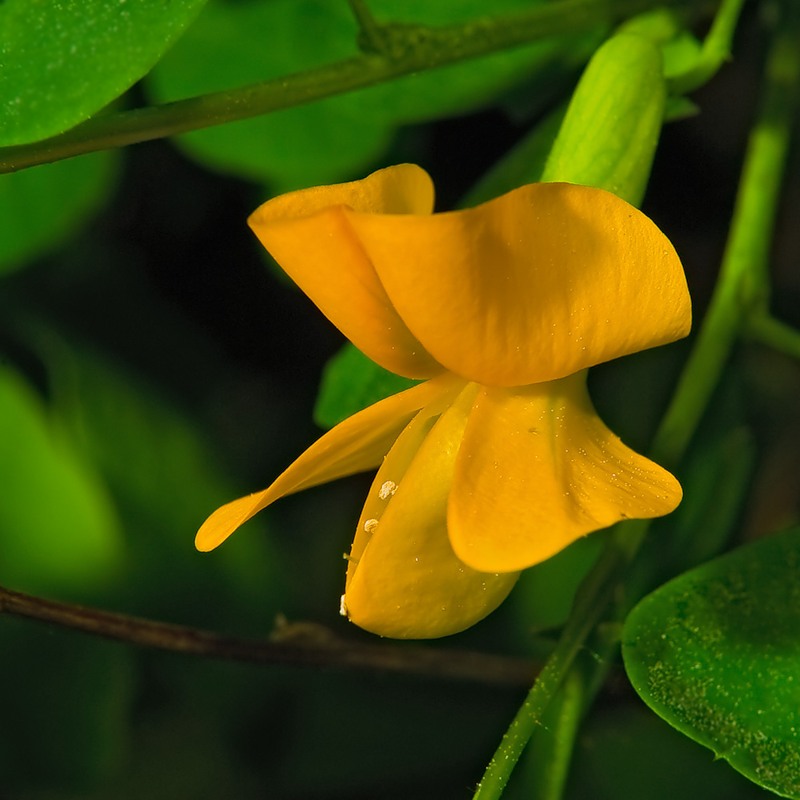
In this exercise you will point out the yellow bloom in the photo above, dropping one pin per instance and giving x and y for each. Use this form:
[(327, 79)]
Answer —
[(497, 461)]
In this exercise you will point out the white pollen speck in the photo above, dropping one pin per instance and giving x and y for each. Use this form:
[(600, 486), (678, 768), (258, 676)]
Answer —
[(342, 606), (370, 525), (388, 488)]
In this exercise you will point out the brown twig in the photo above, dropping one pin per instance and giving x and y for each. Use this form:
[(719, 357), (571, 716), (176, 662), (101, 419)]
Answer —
[(296, 645)]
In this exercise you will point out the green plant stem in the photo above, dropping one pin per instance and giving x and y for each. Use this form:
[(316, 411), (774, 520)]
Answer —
[(742, 290), (590, 606), (393, 50), (551, 755), (742, 287), (715, 52), (774, 333)]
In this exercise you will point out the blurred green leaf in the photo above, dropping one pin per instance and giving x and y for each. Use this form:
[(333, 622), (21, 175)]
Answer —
[(350, 382), (58, 529), (716, 653), (64, 61), (165, 479), (238, 43), (41, 206)]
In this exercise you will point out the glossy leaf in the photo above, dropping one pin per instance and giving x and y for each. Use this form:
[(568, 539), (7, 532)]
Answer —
[(323, 142), (41, 206), (716, 653), (62, 62)]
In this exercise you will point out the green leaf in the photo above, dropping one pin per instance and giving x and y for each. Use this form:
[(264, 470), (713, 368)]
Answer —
[(351, 382), (64, 61), (235, 44), (58, 529), (165, 479), (716, 653), (41, 206)]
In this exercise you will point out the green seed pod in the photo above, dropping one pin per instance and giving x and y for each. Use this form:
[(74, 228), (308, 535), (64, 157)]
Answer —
[(611, 128)]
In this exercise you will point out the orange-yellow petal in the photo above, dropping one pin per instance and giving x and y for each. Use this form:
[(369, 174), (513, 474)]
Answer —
[(308, 234), (537, 470), (532, 286), (358, 443), (403, 579)]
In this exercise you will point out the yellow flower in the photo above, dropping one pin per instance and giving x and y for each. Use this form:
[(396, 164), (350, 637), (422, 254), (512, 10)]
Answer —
[(497, 461)]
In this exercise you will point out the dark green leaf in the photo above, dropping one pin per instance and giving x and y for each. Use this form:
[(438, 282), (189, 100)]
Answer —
[(716, 653), (352, 382), (64, 61)]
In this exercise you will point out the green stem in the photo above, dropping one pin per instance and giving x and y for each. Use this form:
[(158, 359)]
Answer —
[(715, 52), (742, 286), (778, 335), (401, 50), (551, 754), (370, 38), (590, 607)]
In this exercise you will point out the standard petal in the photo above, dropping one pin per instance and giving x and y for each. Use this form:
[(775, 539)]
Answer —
[(537, 470), (354, 445), (403, 579), (309, 235), (532, 286)]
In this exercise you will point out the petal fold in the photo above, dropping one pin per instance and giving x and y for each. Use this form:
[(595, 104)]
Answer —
[(309, 235), (537, 470), (403, 578), (357, 444), (533, 286)]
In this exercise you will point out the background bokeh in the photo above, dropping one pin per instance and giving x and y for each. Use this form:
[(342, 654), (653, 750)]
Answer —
[(154, 364)]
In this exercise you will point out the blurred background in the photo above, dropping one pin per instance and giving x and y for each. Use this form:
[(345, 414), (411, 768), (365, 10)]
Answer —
[(154, 364)]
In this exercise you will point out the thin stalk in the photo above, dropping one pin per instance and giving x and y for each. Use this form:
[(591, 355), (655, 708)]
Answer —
[(550, 757), (742, 289), (715, 52), (295, 645), (591, 605), (775, 334), (401, 50)]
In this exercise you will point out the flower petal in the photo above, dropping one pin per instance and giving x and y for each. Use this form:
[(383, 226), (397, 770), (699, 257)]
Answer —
[(537, 470), (532, 286), (403, 579), (309, 235), (354, 445)]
